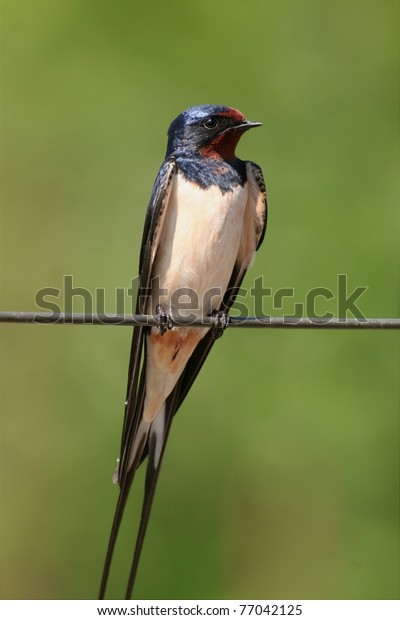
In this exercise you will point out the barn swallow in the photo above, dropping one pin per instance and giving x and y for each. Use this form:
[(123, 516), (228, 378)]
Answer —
[(205, 220)]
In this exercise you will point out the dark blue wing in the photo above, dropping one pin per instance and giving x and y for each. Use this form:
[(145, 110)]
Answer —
[(155, 215)]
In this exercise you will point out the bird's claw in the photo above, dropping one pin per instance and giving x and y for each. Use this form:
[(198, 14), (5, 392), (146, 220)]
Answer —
[(164, 320), (221, 323)]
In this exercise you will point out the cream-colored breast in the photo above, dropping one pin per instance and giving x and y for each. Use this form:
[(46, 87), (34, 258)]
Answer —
[(199, 245)]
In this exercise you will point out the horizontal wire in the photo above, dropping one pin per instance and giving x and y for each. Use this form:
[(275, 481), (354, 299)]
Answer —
[(288, 322)]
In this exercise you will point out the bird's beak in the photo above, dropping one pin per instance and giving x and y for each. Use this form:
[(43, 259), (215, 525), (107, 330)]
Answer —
[(246, 125), (250, 124)]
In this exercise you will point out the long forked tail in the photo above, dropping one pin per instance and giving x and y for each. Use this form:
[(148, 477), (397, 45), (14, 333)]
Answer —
[(154, 447), (156, 442)]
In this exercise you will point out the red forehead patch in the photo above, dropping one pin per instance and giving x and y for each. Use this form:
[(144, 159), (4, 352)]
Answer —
[(233, 113)]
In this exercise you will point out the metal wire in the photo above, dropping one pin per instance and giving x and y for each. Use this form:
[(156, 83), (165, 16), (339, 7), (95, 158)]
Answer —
[(62, 318)]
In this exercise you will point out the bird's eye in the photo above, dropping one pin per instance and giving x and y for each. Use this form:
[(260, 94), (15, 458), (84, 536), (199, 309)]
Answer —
[(210, 123)]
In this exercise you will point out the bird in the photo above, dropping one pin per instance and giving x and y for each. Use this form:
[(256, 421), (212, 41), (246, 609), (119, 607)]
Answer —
[(206, 218)]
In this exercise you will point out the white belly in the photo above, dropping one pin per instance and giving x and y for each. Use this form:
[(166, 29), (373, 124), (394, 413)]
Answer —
[(194, 264)]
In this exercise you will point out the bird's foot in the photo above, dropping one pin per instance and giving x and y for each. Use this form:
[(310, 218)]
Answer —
[(164, 320), (222, 322)]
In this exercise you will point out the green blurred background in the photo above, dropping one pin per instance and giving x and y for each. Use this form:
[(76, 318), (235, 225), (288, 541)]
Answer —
[(281, 478)]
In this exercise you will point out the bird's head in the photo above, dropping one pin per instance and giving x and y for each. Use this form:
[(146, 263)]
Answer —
[(209, 130)]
